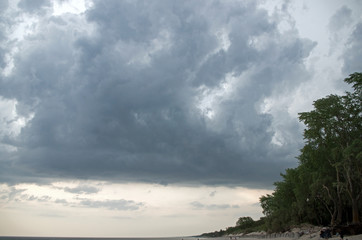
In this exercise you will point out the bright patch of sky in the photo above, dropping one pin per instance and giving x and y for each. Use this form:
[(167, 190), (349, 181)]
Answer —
[(153, 209), (68, 6)]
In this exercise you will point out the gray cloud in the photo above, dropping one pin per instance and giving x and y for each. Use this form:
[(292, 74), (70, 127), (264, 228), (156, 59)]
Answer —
[(11, 194), (353, 55), (120, 205), (82, 189), (51, 215), (62, 201), (199, 205), (3, 26), (34, 6), (340, 19), (26, 197), (4, 4), (339, 25), (121, 102)]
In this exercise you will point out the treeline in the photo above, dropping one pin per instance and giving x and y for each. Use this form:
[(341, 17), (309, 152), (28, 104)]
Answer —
[(244, 225), (247, 225), (325, 188)]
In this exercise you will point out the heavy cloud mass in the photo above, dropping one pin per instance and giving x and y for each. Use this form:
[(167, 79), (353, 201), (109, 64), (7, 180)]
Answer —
[(151, 91)]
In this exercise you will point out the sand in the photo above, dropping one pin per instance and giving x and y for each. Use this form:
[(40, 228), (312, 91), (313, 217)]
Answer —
[(307, 237), (355, 237)]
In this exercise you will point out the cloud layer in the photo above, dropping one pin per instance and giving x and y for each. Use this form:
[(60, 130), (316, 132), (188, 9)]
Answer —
[(153, 91)]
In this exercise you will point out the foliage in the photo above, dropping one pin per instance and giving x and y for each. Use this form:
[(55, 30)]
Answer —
[(325, 188), (245, 222), (244, 225), (214, 234)]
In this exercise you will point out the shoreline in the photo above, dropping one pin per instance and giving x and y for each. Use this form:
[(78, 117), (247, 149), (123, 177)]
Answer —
[(302, 233), (304, 237)]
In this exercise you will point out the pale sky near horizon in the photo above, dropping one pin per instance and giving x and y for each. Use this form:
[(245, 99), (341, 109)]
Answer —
[(158, 118)]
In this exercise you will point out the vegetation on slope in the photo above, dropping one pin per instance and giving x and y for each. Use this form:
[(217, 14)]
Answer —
[(244, 225), (326, 187)]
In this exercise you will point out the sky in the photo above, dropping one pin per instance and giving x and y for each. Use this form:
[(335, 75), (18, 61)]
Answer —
[(159, 118)]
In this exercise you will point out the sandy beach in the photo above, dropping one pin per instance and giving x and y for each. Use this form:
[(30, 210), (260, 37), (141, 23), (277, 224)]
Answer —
[(355, 237), (312, 235), (306, 232), (305, 237)]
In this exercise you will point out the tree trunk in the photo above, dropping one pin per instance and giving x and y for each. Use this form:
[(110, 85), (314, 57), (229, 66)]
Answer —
[(352, 193), (355, 212), (339, 200), (332, 212)]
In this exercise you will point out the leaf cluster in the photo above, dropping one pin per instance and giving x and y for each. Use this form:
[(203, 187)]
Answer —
[(244, 225)]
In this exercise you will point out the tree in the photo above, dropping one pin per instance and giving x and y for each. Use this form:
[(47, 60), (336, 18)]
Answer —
[(334, 128), (281, 207), (323, 182), (245, 222), (327, 183)]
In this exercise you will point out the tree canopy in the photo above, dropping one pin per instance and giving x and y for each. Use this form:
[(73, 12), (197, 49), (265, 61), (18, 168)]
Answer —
[(325, 188)]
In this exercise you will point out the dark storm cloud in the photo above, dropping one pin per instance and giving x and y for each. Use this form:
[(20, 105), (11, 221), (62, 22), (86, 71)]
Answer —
[(116, 97)]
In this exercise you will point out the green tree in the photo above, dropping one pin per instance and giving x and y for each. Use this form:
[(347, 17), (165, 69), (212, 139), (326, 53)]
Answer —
[(281, 207), (321, 178), (245, 222), (327, 181), (334, 128)]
